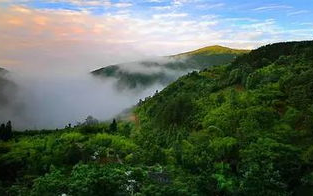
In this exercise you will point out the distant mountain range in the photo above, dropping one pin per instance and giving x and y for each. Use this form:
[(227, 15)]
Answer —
[(164, 70)]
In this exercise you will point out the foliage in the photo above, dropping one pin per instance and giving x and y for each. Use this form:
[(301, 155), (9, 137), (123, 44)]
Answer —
[(238, 129), (6, 131)]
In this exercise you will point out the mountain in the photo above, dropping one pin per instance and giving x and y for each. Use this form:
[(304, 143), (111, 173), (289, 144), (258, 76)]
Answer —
[(244, 128), (211, 50), (166, 69), (237, 126)]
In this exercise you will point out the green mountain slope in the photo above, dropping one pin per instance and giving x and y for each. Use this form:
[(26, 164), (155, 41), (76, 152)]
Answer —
[(167, 69), (210, 50), (238, 126)]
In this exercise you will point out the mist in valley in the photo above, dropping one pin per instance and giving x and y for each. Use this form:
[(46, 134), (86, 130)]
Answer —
[(55, 87), (54, 100)]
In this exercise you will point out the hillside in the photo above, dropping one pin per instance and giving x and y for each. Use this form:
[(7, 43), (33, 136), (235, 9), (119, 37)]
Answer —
[(211, 50), (238, 126), (167, 69), (244, 128)]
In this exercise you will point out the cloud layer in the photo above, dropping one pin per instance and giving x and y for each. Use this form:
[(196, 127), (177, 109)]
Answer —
[(103, 31)]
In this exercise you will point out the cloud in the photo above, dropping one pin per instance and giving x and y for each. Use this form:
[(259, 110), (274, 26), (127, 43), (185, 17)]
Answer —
[(106, 3), (170, 15), (162, 7), (272, 7), (179, 2), (155, 1), (123, 5), (244, 19), (210, 6), (70, 35), (298, 12), (306, 23), (20, 9)]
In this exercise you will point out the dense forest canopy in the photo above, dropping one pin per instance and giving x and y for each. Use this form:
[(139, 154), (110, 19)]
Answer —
[(243, 128)]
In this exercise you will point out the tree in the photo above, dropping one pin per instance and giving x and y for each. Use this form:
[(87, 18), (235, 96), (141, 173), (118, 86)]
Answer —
[(6, 131), (113, 126), (91, 121), (2, 131), (176, 112), (8, 128)]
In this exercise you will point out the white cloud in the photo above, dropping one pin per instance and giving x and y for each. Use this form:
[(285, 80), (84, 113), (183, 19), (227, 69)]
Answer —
[(298, 12), (88, 2), (210, 6), (179, 2), (306, 23), (96, 3), (155, 1), (162, 7), (169, 15), (43, 31), (272, 7), (244, 19), (122, 5)]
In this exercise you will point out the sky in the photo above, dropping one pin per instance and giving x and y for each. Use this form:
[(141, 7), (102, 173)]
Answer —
[(112, 31)]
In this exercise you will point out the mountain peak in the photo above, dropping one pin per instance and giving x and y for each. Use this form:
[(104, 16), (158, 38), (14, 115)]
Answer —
[(215, 49)]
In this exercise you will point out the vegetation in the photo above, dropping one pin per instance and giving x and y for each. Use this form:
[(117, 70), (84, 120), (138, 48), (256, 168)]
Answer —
[(210, 50), (132, 80), (170, 67), (6, 131), (239, 129)]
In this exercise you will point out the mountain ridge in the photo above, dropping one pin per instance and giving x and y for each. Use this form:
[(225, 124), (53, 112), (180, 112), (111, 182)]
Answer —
[(169, 68), (214, 49)]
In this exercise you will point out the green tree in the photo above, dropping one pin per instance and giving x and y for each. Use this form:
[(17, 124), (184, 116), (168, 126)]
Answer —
[(6, 131), (2, 131), (113, 127)]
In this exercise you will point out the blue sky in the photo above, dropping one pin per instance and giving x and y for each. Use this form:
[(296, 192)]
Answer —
[(147, 27), (286, 12)]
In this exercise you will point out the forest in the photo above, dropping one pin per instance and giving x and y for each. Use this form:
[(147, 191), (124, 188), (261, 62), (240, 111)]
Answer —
[(242, 128)]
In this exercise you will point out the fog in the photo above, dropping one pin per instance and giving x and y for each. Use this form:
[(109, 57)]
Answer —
[(53, 101), (50, 53), (55, 87), (152, 65), (50, 63), (144, 73)]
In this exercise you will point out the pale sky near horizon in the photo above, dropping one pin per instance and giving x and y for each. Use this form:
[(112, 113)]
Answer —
[(36, 33)]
